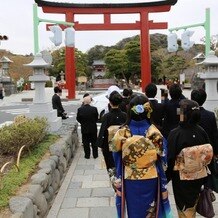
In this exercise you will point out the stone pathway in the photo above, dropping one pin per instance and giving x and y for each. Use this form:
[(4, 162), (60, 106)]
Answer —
[(86, 191)]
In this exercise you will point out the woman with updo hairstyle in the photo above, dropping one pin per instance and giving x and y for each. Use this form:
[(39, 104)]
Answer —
[(143, 152), (189, 153)]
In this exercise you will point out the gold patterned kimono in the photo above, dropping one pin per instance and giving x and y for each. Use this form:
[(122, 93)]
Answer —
[(139, 153), (143, 165)]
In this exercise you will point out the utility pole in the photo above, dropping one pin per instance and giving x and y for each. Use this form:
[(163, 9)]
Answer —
[(36, 21)]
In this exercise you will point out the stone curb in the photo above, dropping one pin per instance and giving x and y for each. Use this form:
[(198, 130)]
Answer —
[(36, 202)]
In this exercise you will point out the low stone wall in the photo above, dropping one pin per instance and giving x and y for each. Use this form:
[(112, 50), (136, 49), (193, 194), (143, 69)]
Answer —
[(36, 202)]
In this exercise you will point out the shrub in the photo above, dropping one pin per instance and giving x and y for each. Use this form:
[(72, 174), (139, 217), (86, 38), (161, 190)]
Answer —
[(12, 180), (24, 131)]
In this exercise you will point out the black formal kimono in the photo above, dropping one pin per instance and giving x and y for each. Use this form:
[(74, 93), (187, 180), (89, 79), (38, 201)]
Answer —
[(186, 192)]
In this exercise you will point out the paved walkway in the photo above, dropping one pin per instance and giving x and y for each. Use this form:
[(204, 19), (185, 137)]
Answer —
[(86, 191)]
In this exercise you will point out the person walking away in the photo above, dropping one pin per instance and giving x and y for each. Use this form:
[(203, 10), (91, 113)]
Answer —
[(85, 95), (1, 91), (87, 116), (208, 119), (143, 153), (208, 123), (158, 108), (114, 117), (109, 91), (56, 103), (125, 101), (171, 115), (189, 153)]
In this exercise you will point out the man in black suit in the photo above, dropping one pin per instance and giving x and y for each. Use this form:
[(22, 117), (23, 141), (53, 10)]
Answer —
[(87, 116), (171, 109), (208, 120), (158, 113), (56, 103)]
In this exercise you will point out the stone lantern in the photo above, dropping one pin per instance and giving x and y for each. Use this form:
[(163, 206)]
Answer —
[(40, 106), (5, 79), (5, 67), (210, 77)]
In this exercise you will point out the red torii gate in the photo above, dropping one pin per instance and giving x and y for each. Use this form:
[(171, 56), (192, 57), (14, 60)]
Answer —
[(144, 25)]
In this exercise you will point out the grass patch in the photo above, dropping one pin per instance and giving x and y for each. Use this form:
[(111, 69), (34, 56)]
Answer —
[(11, 182)]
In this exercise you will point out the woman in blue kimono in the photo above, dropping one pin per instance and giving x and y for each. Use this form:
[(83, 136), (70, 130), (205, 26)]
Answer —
[(142, 164)]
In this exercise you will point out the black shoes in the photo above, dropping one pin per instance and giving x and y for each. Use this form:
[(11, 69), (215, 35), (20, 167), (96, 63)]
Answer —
[(89, 157)]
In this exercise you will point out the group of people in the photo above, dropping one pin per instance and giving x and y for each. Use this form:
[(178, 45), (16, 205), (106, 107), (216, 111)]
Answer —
[(146, 144)]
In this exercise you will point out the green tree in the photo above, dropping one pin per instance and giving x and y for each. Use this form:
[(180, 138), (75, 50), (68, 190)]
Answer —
[(132, 51), (116, 62), (81, 63), (59, 62)]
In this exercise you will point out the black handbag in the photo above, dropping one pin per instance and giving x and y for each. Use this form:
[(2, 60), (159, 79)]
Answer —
[(205, 205)]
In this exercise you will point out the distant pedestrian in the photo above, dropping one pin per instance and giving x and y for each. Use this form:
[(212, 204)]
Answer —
[(1, 91), (158, 108), (56, 103), (189, 153), (87, 116)]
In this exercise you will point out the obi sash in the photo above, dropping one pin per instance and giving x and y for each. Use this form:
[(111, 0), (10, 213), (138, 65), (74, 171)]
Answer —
[(192, 162), (139, 153)]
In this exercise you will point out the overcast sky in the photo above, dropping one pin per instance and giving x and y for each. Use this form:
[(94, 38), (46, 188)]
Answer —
[(16, 21)]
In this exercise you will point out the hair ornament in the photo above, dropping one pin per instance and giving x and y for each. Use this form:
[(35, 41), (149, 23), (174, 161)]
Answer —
[(148, 108), (138, 109), (195, 108)]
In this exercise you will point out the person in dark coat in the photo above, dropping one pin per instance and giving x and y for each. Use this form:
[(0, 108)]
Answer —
[(187, 180), (87, 116), (114, 117), (125, 102), (208, 123), (208, 120), (158, 108), (56, 103), (171, 109)]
